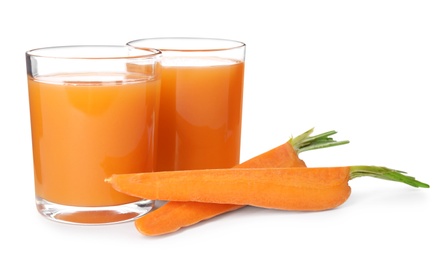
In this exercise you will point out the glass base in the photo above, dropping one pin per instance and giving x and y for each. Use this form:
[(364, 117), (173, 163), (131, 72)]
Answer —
[(93, 215)]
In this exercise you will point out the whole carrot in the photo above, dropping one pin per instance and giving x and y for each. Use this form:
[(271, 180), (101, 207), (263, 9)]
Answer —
[(295, 188), (174, 215)]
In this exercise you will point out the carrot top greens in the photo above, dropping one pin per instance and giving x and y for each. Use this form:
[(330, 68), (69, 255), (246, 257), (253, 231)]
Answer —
[(305, 142), (385, 174)]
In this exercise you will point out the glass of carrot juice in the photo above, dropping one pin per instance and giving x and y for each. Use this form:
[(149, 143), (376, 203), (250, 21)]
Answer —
[(93, 112), (200, 101)]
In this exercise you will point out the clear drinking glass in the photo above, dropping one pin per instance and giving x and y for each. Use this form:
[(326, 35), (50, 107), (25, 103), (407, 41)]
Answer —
[(93, 113), (200, 102)]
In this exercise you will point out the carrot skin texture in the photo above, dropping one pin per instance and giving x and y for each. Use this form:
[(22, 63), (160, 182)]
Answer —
[(174, 215), (298, 188), (282, 156)]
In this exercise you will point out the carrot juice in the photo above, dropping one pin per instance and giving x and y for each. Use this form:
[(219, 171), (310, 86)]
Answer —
[(200, 113), (94, 112), (85, 131)]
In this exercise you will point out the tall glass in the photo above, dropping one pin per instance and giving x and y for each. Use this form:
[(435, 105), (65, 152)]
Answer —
[(200, 102), (93, 114)]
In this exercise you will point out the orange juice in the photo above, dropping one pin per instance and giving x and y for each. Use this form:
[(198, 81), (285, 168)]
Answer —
[(200, 114), (85, 131)]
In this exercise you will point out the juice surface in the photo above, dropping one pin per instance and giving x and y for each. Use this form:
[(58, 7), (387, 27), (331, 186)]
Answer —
[(85, 131), (200, 115)]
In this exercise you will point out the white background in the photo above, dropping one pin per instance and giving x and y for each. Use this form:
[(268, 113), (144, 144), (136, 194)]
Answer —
[(368, 69)]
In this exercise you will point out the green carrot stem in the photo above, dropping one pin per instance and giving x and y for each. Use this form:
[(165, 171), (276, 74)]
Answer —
[(385, 174), (305, 142)]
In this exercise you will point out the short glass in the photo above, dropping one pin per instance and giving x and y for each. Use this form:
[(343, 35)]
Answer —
[(93, 113), (200, 102)]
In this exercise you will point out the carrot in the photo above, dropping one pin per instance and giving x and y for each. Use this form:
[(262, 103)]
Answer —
[(174, 215), (294, 188)]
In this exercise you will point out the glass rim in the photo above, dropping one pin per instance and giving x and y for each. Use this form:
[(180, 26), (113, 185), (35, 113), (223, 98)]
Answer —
[(62, 52), (225, 44)]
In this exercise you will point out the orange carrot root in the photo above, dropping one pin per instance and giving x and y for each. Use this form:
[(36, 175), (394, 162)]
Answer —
[(296, 188)]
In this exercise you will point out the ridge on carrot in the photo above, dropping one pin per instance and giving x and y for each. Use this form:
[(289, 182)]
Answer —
[(294, 188), (173, 215)]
